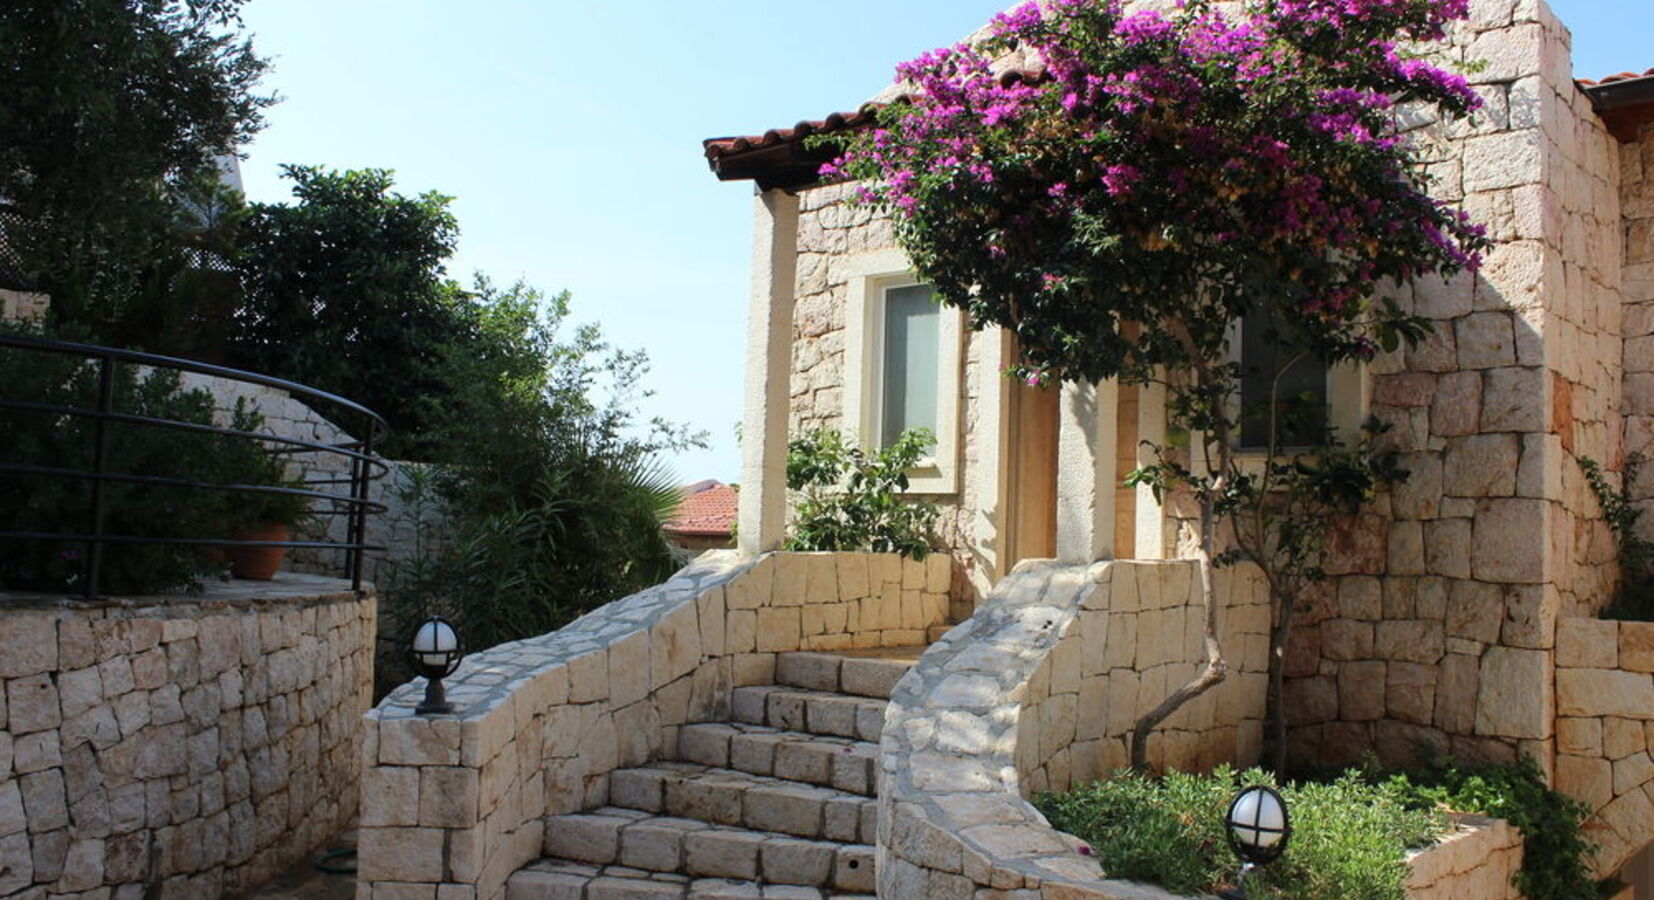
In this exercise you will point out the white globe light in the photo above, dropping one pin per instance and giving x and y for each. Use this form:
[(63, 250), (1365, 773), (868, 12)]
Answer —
[(1258, 819), (435, 642)]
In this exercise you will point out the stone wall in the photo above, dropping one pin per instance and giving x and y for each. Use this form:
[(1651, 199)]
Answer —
[(831, 231), (980, 724), (1605, 728), (1476, 860), (1136, 638), (1637, 205), (457, 801), (193, 747), (1440, 628)]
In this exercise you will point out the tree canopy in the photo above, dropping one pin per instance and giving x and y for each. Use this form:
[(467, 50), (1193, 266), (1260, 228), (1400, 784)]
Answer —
[(112, 109)]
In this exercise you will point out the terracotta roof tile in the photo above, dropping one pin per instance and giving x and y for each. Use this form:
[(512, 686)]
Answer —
[(1610, 79), (709, 511)]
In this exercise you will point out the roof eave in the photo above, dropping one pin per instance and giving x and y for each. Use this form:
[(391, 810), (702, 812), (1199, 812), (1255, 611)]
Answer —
[(1625, 105)]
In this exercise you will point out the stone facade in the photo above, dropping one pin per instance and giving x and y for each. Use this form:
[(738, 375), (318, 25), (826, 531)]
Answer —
[(1637, 206), (453, 805), (1438, 628), (178, 747)]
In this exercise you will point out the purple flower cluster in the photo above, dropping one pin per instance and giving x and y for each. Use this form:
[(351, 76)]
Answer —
[(1265, 135)]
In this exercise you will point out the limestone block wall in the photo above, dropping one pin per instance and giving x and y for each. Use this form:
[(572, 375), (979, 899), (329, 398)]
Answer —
[(1439, 630), (1478, 859), (1605, 729), (457, 801), (190, 748), (1637, 205), (832, 230), (957, 763), (1134, 640)]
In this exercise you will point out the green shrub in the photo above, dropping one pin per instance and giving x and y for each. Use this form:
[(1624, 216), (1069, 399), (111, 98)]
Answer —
[(59, 504), (849, 496), (1349, 838), (1635, 600), (1554, 850)]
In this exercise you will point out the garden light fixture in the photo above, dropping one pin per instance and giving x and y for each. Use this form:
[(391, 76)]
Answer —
[(1258, 827), (435, 653)]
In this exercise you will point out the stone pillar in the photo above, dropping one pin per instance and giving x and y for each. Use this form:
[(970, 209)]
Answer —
[(763, 500), (1085, 472), (1151, 427)]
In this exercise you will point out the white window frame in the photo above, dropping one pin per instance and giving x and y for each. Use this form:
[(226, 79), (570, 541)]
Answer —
[(868, 276)]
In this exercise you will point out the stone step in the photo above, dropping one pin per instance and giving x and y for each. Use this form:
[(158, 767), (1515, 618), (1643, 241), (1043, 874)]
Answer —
[(812, 711), (551, 879), (613, 836), (865, 673), (722, 796), (849, 765)]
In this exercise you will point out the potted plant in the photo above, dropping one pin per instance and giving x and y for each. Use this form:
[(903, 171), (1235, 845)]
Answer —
[(257, 516)]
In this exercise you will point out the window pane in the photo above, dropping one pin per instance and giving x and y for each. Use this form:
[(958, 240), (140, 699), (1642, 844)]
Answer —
[(1300, 394), (912, 332)]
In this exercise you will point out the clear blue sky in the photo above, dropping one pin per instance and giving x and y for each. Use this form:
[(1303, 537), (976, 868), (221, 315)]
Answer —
[(570, 135)]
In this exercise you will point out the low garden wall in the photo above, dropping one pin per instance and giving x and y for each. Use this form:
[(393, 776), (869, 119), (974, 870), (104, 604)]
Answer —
[(1037, 691), (1605, 719), (458, 801), (178, 746)]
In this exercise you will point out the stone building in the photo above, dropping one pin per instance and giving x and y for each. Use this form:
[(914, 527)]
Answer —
[(1461, 614)]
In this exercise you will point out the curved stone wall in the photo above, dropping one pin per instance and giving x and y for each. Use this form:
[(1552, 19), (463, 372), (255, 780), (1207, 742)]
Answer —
[(185, 746), (1038, 690)]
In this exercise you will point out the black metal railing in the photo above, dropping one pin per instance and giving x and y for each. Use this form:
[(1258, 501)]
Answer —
[(351, 418)]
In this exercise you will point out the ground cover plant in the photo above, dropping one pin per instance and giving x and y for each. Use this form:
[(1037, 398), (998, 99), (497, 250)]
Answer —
[(1139, 184), (1349, 839), (1351, 829)]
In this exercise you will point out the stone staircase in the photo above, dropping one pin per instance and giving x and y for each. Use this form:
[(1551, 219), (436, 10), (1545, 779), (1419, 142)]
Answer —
[(778, 803)]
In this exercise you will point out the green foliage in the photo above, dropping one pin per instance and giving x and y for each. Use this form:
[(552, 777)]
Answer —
[(849, 496), (1635, 600), (1348, 843), (345, 290), (113, 113), (1555, 850), (548, 483), (62, 505)]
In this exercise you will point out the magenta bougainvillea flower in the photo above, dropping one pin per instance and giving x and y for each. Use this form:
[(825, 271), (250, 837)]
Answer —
[(1219, 158)]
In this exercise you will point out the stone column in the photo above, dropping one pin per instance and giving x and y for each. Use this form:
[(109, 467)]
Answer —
[(763, 499), (1151, 427), (1085, 472)]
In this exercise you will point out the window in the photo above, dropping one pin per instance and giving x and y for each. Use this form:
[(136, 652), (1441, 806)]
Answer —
[(902, 365), (1309, 396), (911, 335), (1299, 391)]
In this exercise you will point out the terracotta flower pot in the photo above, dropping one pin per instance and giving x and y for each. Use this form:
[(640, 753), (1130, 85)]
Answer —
[(258, 563)]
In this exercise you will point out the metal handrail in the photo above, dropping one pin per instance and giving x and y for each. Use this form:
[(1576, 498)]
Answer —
[(365, 466)]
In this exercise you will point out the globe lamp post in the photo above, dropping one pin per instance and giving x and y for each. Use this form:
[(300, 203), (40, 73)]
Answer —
[(1258, 827), (435, 653)]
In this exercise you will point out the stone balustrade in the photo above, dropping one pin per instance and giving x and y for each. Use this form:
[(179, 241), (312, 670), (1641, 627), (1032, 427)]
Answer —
[(178, 746), (454, 804)]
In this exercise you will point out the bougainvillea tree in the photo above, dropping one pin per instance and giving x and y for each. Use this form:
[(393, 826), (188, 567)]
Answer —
[(1119, 188)]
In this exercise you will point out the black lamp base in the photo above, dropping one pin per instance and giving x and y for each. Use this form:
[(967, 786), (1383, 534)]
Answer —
[(436, 699)]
